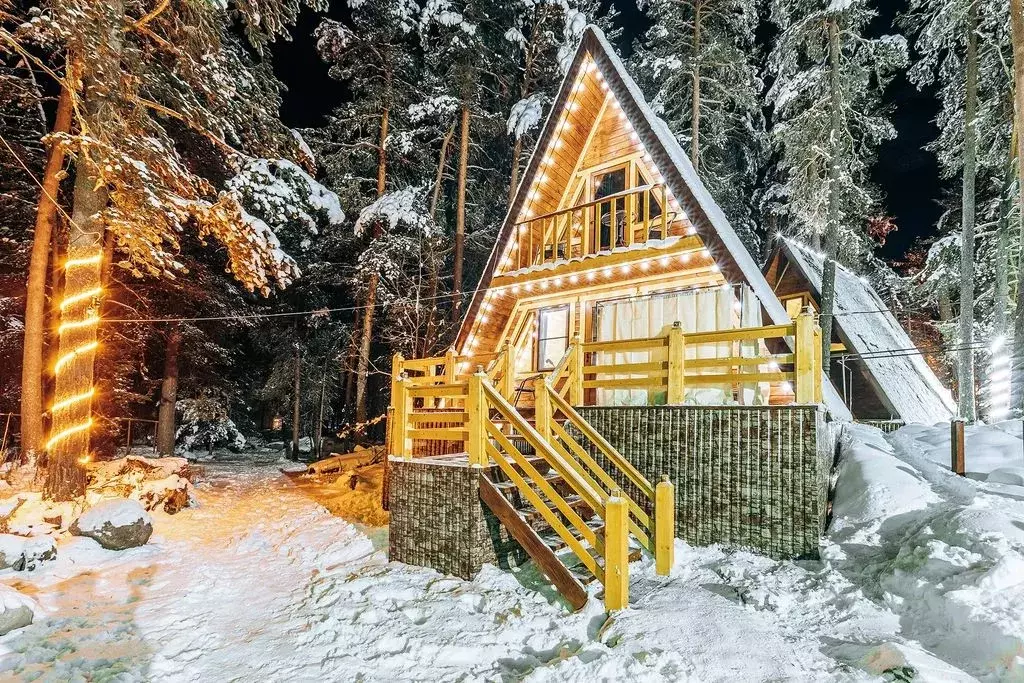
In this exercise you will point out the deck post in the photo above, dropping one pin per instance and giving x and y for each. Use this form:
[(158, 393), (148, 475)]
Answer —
[(957, 448), (575, 378), (818, 358), (400, 405), (664, 526), (450, 369), (476, 410), (805, 357), (507, 371), (542, 407), (676, 364), (616, 553)]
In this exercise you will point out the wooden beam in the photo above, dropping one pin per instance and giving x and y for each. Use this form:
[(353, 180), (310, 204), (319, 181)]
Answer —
[(685, 245), (566, 583)]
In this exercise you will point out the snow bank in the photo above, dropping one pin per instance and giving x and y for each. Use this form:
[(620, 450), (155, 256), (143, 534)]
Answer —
[(943, 553), (117, 512), (989, 448)]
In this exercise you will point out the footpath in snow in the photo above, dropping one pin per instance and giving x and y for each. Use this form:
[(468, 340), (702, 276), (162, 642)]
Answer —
[(922, 578)]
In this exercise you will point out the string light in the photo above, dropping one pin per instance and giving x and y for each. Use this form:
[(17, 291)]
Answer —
[(86, 261), (72, 412), (60, 405), (82, 296), (77, 324), (70, 355), (73, 429)]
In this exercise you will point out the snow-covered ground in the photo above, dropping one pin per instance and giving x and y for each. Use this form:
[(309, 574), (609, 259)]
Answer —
[(922, 578)]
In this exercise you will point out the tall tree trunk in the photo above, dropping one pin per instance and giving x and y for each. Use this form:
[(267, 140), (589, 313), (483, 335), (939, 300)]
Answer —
[(434, 277), (965, 364), (76, 349), (165, 425), (366, 337), (439, 175), (1017, 31), (363, 367), (695, 98), (828, 276), (35, 296), (513, 184), (296, 397), (319, 432), (460, 214), (350, 361), (945, 305)]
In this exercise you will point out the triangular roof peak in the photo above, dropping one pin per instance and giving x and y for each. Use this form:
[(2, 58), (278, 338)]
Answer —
[(594, 53)]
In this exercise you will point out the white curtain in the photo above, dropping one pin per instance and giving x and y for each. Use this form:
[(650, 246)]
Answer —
[(701, 310)]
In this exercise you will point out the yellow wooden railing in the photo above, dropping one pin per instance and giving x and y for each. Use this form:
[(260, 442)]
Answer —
[(620, 219), (667, 369), (488, 426)]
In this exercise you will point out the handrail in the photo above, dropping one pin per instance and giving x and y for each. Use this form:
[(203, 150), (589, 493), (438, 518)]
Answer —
[(594, 202)]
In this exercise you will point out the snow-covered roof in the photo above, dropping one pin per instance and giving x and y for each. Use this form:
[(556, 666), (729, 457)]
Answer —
[(905, 383), (707, 218)]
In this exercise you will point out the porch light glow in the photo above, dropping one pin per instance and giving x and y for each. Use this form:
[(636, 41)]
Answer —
[(573, 279), (607, 272), (787, 387), (685, 257), (665, 261)]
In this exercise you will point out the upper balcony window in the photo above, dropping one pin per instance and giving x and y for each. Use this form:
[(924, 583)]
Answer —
[(614, 205)]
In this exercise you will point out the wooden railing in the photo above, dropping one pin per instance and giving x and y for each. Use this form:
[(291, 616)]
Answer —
[(619, 220), (489, 427), (667, 369)]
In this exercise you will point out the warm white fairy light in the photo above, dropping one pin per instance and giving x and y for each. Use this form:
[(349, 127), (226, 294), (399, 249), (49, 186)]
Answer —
[(999, 380), (573, 279), (715, 268), (591, 276), (685, 257), (607, 272), (665, 261)]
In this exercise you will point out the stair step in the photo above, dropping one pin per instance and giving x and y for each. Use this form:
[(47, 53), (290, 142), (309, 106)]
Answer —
[(557, 543), (534, 517), (550, 477)]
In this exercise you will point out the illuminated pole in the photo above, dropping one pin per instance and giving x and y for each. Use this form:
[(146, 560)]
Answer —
[(73, 371), (999, 381)]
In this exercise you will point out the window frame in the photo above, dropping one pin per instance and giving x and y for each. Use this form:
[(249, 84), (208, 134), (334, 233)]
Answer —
[(542, 330)]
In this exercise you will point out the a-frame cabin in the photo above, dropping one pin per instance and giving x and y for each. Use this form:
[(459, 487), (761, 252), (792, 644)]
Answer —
[(611, 236), (621, 335)]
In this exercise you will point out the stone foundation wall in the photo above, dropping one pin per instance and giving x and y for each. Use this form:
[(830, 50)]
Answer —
[(439, 521), (754, 477)]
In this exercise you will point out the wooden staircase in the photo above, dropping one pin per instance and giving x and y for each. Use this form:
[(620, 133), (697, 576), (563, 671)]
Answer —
[(560, 499), (530, 528)]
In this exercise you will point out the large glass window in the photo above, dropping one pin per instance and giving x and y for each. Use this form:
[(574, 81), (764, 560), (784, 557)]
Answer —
[(610, 215), (552, 336)]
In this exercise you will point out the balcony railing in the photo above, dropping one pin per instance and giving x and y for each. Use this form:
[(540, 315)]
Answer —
[(622, 219)]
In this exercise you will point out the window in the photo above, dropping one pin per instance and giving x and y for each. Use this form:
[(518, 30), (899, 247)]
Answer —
[(552, 336), (648, 206), (606, 184)]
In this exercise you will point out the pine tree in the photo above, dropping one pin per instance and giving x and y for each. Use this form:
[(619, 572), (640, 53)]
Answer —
[(699, 65), (961, 44), (828, 122), (374, 59), (130, 181)]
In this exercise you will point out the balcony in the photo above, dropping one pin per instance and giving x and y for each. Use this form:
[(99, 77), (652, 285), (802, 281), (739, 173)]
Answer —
[(615, 222)]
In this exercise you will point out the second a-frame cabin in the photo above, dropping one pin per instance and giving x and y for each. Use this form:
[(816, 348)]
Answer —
[(624, 374)]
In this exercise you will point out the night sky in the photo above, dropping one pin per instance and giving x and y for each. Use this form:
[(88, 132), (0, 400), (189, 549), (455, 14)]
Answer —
[(907, 173)]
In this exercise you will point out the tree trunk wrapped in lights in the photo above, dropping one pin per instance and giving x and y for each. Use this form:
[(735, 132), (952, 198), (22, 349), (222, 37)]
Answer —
[(72, 418)]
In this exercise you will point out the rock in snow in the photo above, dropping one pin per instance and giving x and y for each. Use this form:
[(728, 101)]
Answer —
[(16, 610), (20, 552), (115, 524)]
